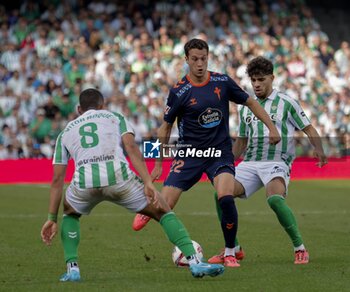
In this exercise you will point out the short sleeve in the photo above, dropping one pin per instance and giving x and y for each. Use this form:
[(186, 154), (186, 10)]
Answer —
[(242, 128), (235, 92), (297, 116), (172, 108), (124, 125), (61, 154)]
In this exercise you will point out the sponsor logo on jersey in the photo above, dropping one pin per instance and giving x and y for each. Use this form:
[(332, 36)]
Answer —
[(96, 159), (249, 119), (273, 117), (210, 118)]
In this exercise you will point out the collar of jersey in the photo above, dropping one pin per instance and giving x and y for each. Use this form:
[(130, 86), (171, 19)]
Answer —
[(271, 96), (198, 84)]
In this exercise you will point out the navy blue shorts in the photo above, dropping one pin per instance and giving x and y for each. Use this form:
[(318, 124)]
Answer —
[(185, 172)]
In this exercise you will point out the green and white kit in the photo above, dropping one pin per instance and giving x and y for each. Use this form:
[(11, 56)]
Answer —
[(94, 140), (263, 161)]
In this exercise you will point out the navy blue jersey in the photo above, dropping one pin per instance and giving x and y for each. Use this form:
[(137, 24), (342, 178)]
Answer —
[(202, 110)]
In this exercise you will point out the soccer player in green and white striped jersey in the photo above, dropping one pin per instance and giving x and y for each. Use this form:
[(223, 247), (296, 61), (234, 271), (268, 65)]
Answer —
[(94, 140), (269, 165)]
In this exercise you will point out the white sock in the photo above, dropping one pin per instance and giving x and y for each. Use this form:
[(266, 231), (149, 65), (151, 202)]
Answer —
[(237, 248), (229, 251), (73, 266), (193, 260), (300, 247)]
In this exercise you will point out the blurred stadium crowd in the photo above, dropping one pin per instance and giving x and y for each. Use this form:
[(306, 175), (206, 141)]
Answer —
[(133, 52)]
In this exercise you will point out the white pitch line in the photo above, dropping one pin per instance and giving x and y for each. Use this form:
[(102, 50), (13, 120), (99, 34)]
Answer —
[(314, 212), (40, 186)]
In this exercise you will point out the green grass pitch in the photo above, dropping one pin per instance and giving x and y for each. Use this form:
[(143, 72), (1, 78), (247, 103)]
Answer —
[(115, 258)]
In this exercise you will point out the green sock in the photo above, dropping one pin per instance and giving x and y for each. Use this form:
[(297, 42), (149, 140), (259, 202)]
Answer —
[(177, 233), (286, 218), (219, 213), (70, 236)]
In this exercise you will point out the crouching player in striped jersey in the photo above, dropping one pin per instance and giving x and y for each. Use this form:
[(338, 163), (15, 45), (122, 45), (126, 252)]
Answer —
[(94, 140), (269, 165)]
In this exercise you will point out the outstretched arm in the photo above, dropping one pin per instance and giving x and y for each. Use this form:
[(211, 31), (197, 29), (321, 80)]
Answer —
[(261, 114), (315, 141), (49, 229), (135, 156)]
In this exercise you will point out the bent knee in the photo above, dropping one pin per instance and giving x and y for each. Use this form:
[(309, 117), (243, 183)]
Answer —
[(155, 212)]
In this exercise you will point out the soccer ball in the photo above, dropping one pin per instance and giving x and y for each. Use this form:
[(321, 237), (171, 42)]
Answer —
[(179, 258)]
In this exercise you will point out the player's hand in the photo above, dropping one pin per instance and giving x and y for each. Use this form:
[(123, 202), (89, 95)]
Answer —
[(157, 171), (152, 194), (48, 231), (274, 137), (322, 159)]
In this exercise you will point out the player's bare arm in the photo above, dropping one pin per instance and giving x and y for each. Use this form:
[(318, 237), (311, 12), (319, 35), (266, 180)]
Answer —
[(135, 156), (260, 113), (164, 132), (239, 146), (315, 141), (49, 229)]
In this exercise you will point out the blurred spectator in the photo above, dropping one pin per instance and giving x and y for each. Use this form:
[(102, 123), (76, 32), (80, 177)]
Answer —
[(17, 83), (50, 108), (40, 126), (342, 57), (133, 53), (65, 105), (35, 152), (3, 152)]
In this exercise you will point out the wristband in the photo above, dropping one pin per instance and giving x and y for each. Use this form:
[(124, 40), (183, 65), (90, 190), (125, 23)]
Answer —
[(52, 217)]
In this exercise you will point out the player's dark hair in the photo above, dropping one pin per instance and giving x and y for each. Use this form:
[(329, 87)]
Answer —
[(195, 44), (259, 66), (90, 99)]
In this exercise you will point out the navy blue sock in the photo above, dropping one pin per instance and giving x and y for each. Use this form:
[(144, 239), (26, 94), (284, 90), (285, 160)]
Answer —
[(229, 220)]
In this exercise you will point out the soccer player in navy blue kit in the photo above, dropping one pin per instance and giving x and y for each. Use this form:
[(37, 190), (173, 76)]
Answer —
[(200, 104)]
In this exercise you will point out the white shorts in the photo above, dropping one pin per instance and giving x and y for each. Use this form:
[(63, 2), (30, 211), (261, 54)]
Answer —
[(254, 175), (130, 195)]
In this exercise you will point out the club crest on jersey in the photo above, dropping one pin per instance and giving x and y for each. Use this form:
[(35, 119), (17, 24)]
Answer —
[(217, 91), (210, 118)]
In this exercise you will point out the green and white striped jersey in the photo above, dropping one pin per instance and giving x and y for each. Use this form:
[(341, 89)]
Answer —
[(286, 114), (94, 141)]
